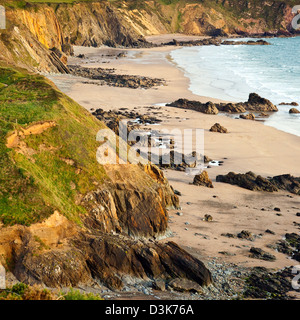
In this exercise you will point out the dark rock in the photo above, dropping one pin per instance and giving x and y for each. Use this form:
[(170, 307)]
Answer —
[(202, 179), (218, 128), (249, 116), (257, 103), (248, 181), (247, 235), (249, 43), (208, 218), (229, 235), (294, 104), (294, 110), (269, 231), (277, 209), (178, 193), (263, 284), (287, 182), (258, 253), (108, 77), (208, 108)]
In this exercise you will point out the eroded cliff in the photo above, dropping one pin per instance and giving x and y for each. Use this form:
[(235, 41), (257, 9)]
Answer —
[(34, 28)]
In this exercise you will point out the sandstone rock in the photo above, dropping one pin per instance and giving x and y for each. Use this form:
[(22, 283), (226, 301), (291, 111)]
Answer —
[(257, 103), (249, 116), (294, 111), (218, 128), (231, 107), (202, 179)]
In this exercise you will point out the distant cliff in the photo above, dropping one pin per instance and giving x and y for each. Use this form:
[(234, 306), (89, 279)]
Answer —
[(34, 28)]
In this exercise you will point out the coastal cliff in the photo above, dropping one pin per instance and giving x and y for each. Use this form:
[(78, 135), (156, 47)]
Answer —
[(66, 219), (34, 28)]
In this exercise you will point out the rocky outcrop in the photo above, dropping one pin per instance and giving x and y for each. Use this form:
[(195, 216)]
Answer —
[(264, 284), (248, 181), (287, 182), (218, 128), (251, 181), (108, 77), (208, 108), (202, 179), (258, 253), (249, 43), (249, 116), (255, 103), (58, 253), (135, 204), (41, 26), (294, 104), (294, 111)]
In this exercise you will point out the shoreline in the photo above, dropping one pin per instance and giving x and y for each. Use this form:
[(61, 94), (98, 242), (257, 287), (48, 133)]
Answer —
[(249, 146)]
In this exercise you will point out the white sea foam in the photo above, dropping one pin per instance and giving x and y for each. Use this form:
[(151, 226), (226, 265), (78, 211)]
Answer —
[(232, 72)]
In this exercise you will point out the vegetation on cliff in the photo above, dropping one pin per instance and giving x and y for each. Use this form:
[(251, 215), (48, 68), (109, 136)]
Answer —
[(37, 173)]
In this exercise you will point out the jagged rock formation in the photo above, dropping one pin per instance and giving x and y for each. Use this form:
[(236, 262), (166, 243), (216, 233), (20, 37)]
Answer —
[(218, 128), (58, 253), (249, 116), (34, 28), (108, 77), (287, 182), (253, 182), (263, 284), (202, 179), (208, 108), (248, 181), (255, 103), (79, 220)]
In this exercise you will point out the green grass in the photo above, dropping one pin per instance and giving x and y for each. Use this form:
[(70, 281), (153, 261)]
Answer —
[(21, 291), (34, 184), (77, 295)]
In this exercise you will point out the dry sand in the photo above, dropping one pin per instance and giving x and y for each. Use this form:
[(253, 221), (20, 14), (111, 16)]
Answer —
[(249, 145)]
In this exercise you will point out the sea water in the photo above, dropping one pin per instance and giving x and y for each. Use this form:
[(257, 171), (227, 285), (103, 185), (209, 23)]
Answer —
[(230, 73)]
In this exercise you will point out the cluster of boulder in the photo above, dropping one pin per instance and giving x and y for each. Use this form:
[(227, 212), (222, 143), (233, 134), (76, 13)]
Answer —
[(108, 77), (112, 119), (216, 41), (255, 182), (255, 103)]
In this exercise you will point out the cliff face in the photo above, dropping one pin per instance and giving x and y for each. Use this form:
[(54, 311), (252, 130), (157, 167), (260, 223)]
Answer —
[(36, 28), (65, 219)]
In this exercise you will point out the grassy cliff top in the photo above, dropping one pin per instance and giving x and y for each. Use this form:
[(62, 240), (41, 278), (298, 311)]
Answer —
[(49, 169)]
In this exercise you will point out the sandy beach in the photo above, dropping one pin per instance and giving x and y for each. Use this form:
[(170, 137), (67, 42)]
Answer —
[(249, 146)]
